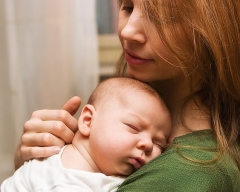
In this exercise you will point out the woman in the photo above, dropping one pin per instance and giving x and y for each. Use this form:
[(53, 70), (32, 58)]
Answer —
[(189, 51)]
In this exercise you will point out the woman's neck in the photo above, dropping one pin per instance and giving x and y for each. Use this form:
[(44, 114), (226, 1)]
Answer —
[(173, 91), (195, 116), (76, 155)]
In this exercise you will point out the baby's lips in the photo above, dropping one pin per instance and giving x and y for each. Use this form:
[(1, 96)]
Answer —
[(137, 162)]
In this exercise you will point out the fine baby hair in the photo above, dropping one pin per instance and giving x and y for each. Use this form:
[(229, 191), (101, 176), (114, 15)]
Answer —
[(119, 87)]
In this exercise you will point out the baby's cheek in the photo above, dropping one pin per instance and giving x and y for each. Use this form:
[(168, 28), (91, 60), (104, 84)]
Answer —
[(155, 153)]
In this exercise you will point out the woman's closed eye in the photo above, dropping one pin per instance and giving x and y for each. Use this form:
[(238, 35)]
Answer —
[(127, 8)]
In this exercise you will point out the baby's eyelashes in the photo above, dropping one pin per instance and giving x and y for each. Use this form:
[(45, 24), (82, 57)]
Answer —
[(161, 146), (133, 128)]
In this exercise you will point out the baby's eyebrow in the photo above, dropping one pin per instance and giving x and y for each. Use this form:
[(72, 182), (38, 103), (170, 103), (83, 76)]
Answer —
[(139, 119)]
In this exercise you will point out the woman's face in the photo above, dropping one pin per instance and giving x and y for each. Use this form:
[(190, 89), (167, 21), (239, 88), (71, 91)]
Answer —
[(147, 58)]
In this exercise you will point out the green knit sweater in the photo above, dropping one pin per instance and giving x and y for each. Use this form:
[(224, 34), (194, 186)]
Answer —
[(174, 171)]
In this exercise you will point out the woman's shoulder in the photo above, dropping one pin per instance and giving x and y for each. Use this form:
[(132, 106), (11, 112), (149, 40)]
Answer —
[(192, 163)]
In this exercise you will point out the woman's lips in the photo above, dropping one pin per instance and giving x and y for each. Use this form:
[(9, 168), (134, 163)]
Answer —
[(131, 59)]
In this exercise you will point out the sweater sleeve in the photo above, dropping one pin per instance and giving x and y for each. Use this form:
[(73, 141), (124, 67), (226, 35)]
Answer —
[(172, 172)]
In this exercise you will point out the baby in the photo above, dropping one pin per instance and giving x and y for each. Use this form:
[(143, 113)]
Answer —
[(124, 126)]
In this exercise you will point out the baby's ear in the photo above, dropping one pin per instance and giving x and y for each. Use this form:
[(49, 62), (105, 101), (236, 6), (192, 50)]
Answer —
[(85, 119)]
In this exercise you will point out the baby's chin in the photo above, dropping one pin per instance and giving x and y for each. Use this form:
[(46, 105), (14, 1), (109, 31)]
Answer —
[(125, 171), (128, 171)]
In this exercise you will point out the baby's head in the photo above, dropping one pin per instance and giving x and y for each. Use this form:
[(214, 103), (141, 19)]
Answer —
[(126, 123)]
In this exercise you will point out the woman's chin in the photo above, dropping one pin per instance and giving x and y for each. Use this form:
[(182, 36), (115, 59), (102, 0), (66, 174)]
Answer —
[(140, 77)]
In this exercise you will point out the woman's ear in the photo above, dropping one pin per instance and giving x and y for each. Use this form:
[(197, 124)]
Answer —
[(85, 119)]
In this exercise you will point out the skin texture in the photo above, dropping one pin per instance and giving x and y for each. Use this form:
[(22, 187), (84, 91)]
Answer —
[(125, 132), (60, 122), (149, 65)]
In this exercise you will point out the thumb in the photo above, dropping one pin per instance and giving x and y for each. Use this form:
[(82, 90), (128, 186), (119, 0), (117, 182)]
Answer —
[(72, 105)]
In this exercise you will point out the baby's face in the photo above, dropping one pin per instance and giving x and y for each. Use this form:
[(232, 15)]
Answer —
[(128, 134)]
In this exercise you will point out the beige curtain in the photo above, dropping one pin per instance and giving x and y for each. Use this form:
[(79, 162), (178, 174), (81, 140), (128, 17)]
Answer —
[(48, 53)]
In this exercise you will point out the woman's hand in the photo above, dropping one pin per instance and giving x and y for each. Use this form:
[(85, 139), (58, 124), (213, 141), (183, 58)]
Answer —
[(47, 131)]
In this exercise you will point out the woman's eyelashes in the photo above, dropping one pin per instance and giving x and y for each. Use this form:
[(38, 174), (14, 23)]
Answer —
[(127, 6), (129, 9)]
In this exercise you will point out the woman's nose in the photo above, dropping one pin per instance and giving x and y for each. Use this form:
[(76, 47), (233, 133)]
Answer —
[(133, 28)]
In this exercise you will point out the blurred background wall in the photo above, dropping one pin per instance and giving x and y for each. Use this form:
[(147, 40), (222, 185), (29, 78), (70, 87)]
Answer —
[(48, 53)]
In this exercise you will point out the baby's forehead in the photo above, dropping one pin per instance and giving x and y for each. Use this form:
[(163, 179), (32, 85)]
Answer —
[(136, 96), (126, 89)]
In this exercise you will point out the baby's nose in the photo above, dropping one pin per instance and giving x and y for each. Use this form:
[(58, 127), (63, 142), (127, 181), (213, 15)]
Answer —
[(146, 145)]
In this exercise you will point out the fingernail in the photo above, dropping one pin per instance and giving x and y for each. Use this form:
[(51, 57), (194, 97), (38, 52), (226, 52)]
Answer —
[(56, 150)]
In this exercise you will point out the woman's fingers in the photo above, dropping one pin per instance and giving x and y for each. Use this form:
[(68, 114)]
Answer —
[(72, 105), (28, 149), (56, 115), (35, 145), (48, 133), (38, 152)]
